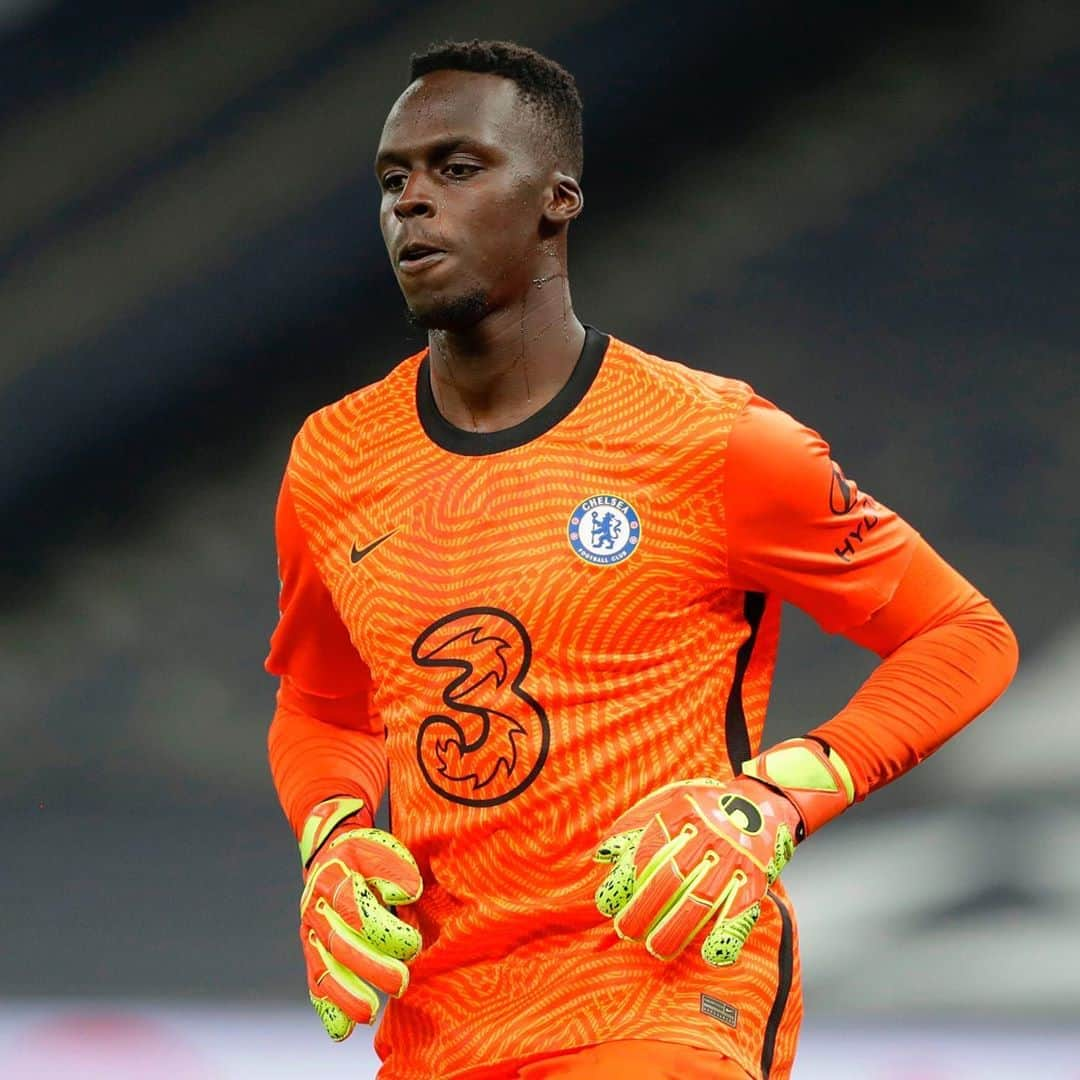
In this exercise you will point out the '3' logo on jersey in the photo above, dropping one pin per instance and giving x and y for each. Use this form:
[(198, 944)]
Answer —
[(493, 740)]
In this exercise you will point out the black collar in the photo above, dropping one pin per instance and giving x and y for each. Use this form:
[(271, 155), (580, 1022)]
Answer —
[(459, 441)]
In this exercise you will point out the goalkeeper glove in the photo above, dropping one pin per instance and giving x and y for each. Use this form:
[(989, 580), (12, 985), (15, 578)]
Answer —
[(352, 944), (702, 849)]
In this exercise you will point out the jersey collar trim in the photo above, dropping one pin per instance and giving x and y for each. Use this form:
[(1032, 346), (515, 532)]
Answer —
[(458, 441)]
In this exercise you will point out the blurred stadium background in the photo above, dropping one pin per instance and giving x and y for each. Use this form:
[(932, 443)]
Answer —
[(869, 211)]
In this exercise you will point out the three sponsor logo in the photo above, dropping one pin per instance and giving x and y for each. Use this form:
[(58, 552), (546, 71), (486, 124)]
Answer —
[(489, 740)]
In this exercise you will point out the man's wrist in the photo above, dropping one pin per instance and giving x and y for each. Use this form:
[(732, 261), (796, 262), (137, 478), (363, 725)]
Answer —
[(325, 817), (810, 775)]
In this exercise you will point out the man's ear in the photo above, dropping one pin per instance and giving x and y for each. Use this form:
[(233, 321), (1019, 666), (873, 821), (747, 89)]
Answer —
[(565, 200)]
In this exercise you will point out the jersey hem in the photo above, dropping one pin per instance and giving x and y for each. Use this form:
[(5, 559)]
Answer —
[(493, 1070)]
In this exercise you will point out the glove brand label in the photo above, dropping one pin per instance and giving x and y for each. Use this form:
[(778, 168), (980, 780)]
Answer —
[(604, 530), (719, 1010), (492, 740)]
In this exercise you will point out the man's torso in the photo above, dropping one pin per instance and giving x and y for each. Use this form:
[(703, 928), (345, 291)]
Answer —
[(551, 635)]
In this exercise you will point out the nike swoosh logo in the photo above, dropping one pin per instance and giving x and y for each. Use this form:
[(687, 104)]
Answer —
[(358, 553)]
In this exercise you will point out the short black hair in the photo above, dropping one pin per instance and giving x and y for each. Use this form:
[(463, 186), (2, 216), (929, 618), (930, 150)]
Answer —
[(546, 85)]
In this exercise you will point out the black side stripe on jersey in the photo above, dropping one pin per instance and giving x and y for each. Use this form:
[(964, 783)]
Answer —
[(736, 733), (785, 962), (389, 813), (389, 793)]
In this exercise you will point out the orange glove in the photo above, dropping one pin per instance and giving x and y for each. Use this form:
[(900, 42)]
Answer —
[(702, 849), (352, 944)]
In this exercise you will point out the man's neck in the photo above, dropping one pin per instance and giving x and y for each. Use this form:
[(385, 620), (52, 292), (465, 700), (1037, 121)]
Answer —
[(511, 364)]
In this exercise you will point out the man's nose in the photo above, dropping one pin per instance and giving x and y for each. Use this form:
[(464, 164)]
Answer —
[(415, 199)]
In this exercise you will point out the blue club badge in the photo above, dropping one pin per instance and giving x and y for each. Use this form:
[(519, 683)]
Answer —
[(604, 530)]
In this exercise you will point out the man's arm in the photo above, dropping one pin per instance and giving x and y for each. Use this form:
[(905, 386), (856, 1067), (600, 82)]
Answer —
[(325, 740), (703, 851), (947, 654), (798, 527), (328, 760), (319, 749)]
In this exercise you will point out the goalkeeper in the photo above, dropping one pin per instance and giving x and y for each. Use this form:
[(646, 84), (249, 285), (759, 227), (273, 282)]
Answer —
[(531, 584)]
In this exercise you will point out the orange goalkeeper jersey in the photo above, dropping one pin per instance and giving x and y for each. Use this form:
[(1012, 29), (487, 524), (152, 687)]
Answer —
[(552, 621)]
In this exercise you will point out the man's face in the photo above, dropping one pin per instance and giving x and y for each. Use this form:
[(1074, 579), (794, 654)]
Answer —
[(462, 182)]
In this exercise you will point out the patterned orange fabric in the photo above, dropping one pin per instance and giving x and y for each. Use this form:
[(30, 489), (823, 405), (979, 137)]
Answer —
[(553, 622), (948, 655), (637, 1059)]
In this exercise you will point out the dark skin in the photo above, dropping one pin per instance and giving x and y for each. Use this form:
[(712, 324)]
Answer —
[(469, 181)]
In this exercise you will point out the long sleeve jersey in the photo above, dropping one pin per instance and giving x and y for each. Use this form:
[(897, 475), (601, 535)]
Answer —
[(524, 632)]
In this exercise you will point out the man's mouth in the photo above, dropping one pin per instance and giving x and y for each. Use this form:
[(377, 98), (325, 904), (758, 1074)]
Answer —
[(418, 256)]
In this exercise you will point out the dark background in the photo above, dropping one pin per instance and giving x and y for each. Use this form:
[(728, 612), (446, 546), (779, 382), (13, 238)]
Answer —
[(869, 212)]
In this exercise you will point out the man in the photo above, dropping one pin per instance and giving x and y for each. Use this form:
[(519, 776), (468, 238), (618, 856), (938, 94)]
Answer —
[(532, 578)]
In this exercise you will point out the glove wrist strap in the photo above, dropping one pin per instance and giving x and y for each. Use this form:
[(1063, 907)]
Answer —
[(811, 775), (324, 819)]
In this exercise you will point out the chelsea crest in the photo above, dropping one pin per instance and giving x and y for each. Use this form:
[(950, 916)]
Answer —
[(604, 530)]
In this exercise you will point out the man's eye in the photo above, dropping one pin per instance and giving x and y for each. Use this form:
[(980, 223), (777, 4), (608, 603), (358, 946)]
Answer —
[(393, 181), (459, 170)]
